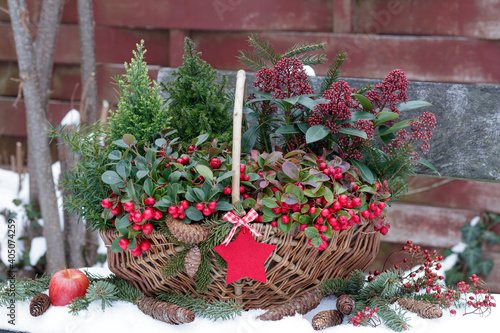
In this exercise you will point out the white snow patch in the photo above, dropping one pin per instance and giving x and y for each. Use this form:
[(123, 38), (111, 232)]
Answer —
[(309, 70), (71, 118), (38, 249), (475, 220)]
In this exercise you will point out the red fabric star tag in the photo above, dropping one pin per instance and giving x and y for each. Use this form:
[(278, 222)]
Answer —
[(245, 257)]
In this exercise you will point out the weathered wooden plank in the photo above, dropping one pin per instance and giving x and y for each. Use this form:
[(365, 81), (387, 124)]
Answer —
[(13, 116), (465, 141), (478, 18), (439, 59), (113, 45), (451, 193), (343, 16), (425, 225)]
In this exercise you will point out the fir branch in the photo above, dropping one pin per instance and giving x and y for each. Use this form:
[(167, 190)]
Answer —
[(335, 286), (126, 291), (299, 49), (212, 310), (250, 60), (104, 291), (203, 276), (175, 264), (312, 59), (78, 304), (333, 72), (263, 48), (22, 289), (394, 319)]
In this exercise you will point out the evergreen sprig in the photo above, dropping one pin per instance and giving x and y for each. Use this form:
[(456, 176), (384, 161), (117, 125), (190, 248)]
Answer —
[(333, 73), (141, 110), (197, 103), (212, 310), (83, 183), (264, 55), (22, 289)]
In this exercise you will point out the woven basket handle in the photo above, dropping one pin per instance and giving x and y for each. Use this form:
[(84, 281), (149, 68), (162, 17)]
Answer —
[(237, 122)]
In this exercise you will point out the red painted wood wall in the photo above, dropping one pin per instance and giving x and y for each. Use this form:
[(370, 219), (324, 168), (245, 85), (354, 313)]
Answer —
[(432, 40)]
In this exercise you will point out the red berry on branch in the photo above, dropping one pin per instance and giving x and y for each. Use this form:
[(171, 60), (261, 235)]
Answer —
[(274, 223), (245, 196), (323, 166), (137, 218), (172, 210), (227, 190), (325, 212), (243, 168), (148, 214), (207, 211), (157, 215), (200, 206), (242, 190), (191, 148), (215, 163), (185, 159), (150, 201), (212, 205), (274, 189), (116, 210), (312, 210), (356, 202), (106, 203), (184, 204), (145, 245), (285, 219), (123, 243), (147, 229), (128, 206), (137, 227), (303, 227), (381, 205), (276, 210)]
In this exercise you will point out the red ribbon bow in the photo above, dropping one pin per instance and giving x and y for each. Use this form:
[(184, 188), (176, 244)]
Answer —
[(240, 221)]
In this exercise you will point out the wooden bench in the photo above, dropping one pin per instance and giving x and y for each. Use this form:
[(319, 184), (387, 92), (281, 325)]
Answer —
[(465, 148)]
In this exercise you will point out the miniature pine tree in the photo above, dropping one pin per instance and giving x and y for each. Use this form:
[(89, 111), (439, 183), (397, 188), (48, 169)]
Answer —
[(196, 102), (141, 110)]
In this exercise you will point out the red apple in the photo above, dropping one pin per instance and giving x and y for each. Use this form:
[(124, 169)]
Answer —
[(66, 285)]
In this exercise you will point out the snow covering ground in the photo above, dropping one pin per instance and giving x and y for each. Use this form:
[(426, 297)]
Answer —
[(125, 317)]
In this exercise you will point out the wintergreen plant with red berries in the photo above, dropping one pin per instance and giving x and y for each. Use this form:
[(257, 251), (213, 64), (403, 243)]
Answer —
[(300, 191)]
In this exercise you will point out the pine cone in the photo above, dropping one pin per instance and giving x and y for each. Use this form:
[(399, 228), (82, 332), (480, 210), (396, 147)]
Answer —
[(302, 305), (187, 233), (192, 261), (325, 319), (164, 311), (346, 304), (39, 304), (422, 308)]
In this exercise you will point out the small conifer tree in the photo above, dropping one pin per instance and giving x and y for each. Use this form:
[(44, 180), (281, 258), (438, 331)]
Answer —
[(141, 110), (196, 102)]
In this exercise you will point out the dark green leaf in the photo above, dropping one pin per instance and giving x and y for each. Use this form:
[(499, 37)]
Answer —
[(316, 241), (311, 232), (428, 164), (284, 227), (111, 177), (225, 175), (396, 127), (357, 115), (365, 102), (316, 133), (115, 155), (471, 255), (120, 143), (289, 129), (470, 233), (384, 116), (123, 168), (224, 206), (483, 267), (193, 214), (141, 174), (411, 105), (200, 139), (115, 246), (122, 225), (149, 187), (366, 172), (269, 202), (353, 131), (491, 237)]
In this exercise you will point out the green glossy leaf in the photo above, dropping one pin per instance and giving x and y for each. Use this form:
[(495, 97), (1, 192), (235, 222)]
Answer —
[(357, 115), (289, 129), (353, 131), (111, 177), (284, 227), (366, 172), (396, 127), (193, 214), (311, 232), (200, 139), (200, 194), (428, 164), (149, 186), (115, 155), (365, 102), (269, 202), (412, 105), (121, 143), (205, 171), (115, 245), (141, 163), (305, 219), (385, 116), (316, 133), (316, 241), (329, 195), (141, 174), (225, 175), (224, 206), (122, 225)]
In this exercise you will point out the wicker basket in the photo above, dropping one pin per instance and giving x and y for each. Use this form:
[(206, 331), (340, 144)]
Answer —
[(292, 269)]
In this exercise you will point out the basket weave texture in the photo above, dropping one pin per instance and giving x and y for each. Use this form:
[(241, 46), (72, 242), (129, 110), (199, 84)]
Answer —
[(292, 269)]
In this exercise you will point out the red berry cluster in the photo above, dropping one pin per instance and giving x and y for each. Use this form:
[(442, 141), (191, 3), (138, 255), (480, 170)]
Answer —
[(139, 214), (177, 211), (366, 317), (480, 299), (206, 208)]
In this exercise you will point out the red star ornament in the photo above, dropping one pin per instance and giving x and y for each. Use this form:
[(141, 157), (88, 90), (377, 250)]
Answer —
[(245, 257)]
